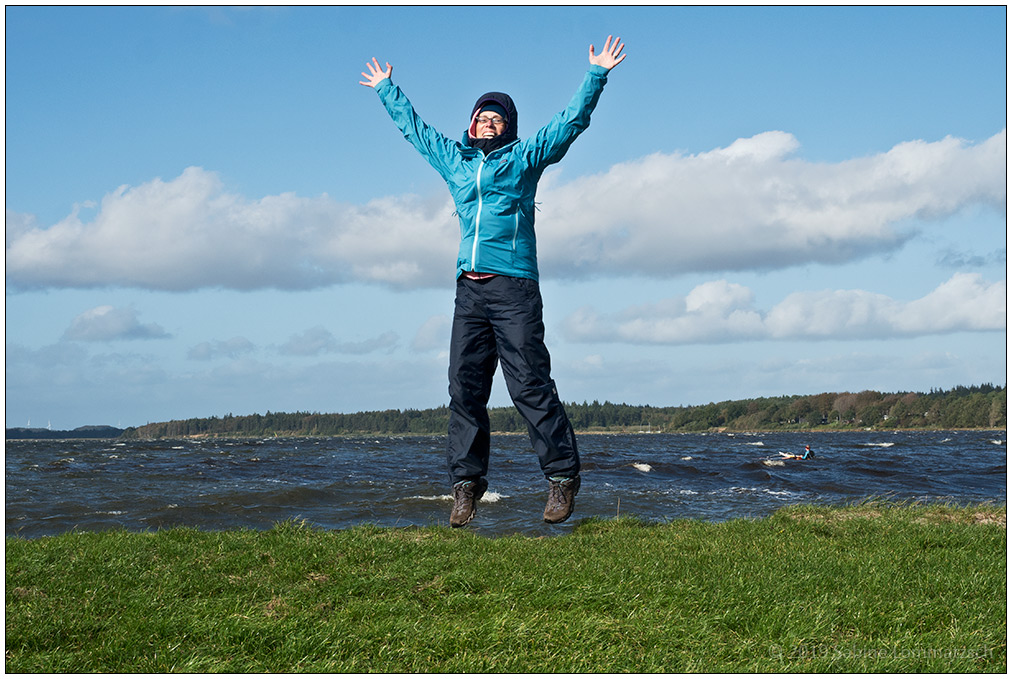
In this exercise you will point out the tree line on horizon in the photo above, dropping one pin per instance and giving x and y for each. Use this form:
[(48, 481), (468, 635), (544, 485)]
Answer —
[(973, 407)]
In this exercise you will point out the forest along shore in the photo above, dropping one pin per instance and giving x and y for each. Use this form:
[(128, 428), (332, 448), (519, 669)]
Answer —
[(982, 407)]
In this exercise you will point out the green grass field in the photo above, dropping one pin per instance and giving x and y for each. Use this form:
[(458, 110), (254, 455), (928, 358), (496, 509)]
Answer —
[(870, 588)]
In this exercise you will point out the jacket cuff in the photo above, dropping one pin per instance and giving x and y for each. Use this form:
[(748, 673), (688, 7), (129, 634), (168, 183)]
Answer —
[(598, 70)]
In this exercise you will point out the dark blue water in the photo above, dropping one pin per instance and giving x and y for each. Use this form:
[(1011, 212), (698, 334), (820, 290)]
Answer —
[(58, 486)]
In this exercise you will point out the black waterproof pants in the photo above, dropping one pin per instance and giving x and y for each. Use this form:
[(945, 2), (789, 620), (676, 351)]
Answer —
[(499, 320)]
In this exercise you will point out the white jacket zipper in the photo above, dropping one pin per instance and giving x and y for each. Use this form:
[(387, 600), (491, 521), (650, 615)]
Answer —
[(477, 218)]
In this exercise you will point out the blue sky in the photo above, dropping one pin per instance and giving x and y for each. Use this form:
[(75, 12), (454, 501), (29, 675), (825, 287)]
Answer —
[(207, 214)]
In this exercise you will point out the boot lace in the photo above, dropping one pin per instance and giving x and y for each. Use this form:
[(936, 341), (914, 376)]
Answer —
[(556, 494)]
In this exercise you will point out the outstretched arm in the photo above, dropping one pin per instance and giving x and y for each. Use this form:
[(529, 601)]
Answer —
[(377, 74), (442, 153), (610, 57), (552, 141)]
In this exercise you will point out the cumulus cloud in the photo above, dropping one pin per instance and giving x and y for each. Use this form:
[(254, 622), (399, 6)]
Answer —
[(754, 206), (719, 311), (319, 340), (231, 348), (107, 323), (190, 233), (959, 259), (312, 342), (751, 205), (433, 335), (386, 341)]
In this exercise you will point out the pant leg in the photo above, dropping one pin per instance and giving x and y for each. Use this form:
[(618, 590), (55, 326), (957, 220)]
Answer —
[(515, 310), (473, 360)]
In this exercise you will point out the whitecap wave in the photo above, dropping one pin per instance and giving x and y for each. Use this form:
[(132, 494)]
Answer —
[(755, 443), (773, 463), (642, 466), (878, 445), (686, 458), (487, 497), (428, 498)]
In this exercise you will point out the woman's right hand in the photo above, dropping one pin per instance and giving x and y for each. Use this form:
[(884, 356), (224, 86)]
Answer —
[(610, 57), (375, 74)]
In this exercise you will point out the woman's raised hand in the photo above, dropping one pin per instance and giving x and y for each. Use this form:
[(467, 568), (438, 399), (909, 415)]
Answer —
[(376, 74), (609, 57)]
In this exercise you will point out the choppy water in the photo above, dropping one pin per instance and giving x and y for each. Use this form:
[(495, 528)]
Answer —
[(58, 486)]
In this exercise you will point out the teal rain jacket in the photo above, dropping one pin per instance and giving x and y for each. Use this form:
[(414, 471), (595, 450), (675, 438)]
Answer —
[(494, 194)]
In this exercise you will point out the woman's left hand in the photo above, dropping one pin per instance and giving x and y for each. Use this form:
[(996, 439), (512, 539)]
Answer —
[(376, 75)]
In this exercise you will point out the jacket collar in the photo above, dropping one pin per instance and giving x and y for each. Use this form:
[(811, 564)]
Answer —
[(468, 150)]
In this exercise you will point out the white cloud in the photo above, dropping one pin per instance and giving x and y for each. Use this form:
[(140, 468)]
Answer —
[(319, 340), (386, 341), (752, 206), (433, 335), (312, 342), (959, 259), (719, 311), (964, 302), (107, 323), (232, 348), (748, 206), (190, 233)]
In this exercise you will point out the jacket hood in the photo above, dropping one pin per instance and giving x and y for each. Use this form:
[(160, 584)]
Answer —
[(506, 102)]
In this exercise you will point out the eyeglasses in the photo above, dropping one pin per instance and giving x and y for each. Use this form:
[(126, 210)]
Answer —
[(493, 121)]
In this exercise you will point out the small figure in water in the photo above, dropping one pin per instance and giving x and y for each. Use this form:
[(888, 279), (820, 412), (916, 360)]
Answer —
[(808, 454)]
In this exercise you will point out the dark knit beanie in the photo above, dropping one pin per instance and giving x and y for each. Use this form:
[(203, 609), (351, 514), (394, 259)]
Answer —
[(493, 107)]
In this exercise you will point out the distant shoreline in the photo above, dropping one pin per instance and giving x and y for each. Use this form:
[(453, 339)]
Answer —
[(86, 432), (71, 435), (976, 408)]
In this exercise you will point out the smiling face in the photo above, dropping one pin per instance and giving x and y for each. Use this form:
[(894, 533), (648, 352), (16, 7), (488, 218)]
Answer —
[(489, 125), (493, 122)]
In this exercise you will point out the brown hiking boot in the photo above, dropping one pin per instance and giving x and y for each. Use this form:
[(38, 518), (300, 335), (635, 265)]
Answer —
[(465, 498), (561, 498)]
